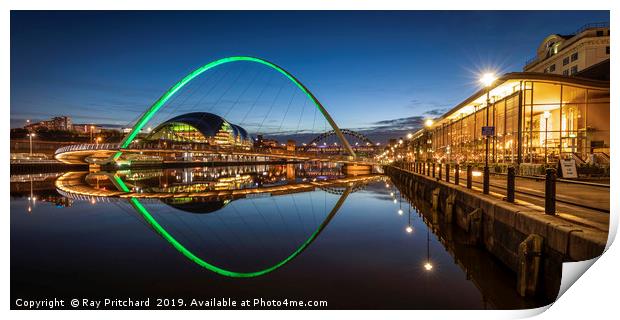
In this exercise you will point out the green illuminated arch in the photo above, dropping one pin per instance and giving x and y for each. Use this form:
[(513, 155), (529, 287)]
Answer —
[(228, 273), (149, 113)]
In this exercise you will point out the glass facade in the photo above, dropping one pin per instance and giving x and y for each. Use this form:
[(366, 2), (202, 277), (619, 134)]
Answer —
[(535, 121), (183, 132)]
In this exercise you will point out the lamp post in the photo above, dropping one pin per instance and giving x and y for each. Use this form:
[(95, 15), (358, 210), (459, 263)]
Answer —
[(409, 228), (30, 135), (546, 115), (429, 124), (91, 133), (487, 79), (428, 266)]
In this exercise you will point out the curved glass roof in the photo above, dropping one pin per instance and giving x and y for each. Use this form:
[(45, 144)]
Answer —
[(207, 123)]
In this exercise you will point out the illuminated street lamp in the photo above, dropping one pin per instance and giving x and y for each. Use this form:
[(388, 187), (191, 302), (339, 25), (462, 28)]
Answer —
[(429, 123), (487, 80), (409, 135), (546, 115), (30, 135), (428, 266), (409, 228)]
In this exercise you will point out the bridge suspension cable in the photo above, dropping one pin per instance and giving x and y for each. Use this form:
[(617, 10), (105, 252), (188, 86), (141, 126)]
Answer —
[(151, 111)]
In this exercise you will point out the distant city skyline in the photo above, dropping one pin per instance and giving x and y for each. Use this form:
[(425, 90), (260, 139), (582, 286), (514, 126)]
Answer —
[(381, 72)]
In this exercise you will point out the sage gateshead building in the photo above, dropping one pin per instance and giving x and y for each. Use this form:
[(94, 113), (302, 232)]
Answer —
[(537, 118), (201, 127)]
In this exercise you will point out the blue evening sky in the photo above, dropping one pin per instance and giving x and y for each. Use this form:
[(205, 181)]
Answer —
[(368, 68)]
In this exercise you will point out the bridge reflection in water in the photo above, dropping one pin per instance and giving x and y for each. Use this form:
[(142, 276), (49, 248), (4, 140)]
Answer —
[(198, 195), (304, 232)]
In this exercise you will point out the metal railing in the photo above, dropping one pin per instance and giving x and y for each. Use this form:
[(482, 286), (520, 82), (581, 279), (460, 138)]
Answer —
[(216, 149), (444, 173), (88, 146)]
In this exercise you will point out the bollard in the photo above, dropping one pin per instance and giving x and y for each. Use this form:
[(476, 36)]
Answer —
[(550, 191), (468, 176), (447, 172), (456, 174), (510, 187), (433, 169), (439, 176), (485, 180)]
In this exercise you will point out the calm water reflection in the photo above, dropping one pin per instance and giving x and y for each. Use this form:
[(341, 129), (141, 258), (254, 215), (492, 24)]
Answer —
[(298, 232)]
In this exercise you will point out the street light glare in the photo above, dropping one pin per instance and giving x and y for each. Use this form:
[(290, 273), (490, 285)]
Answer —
[(409, 135), (428, 122), (487, 79), (546, 114), (428, 266)]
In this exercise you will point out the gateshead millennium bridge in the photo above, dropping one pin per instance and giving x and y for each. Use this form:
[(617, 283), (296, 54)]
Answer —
[(203, 137)]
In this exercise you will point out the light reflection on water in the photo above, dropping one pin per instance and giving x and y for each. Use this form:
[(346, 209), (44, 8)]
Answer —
[(374, 249)]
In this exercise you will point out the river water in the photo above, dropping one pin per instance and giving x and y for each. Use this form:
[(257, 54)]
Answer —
[(301, 232)]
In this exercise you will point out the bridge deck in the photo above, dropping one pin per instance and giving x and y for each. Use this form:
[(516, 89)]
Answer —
[(80, 153), (73, 183)]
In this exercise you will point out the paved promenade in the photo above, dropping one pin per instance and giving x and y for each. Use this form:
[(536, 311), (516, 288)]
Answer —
[(579, 203), (586, 204)]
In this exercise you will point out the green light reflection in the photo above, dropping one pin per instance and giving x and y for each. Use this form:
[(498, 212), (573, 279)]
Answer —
[(228, 273)]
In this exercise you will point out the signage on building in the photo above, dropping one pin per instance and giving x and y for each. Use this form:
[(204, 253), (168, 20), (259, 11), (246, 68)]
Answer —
[(569, 169), (488, 131)]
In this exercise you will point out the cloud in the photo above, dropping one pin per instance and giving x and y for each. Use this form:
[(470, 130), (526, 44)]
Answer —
[(379, 131), (436, 112)]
